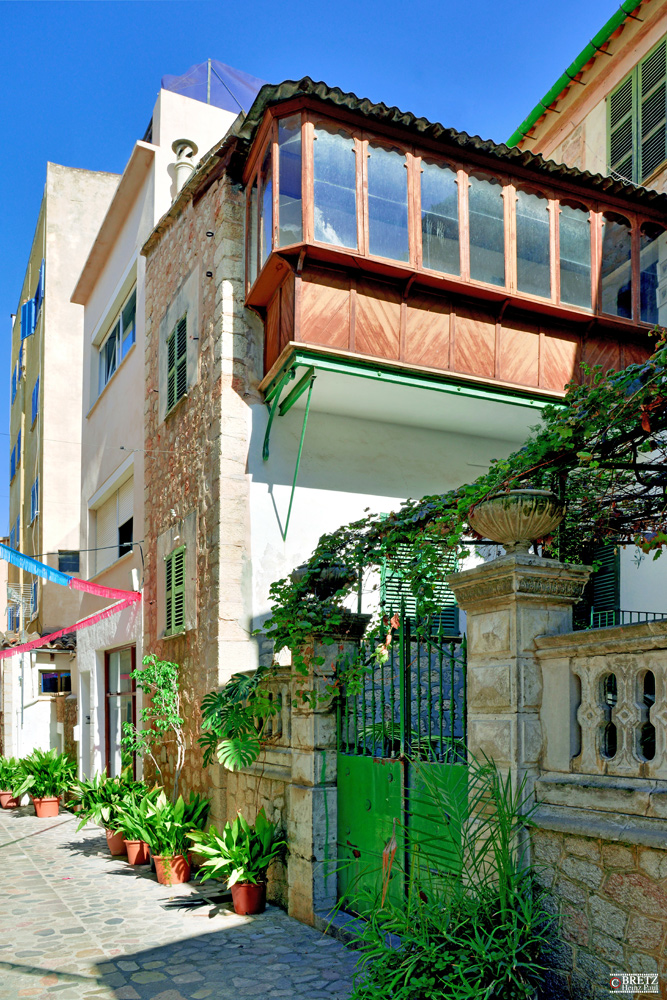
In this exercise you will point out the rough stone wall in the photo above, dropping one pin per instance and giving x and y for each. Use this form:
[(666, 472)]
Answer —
[(611, 901), (196, 457)]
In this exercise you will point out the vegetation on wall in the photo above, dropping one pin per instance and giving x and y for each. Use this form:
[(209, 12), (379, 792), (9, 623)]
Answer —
[(602, 451), (473, 928), (160, 718)]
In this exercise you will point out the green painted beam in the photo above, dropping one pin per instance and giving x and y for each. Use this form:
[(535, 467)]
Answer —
[(604, 34), (375, 372), (298, 390)]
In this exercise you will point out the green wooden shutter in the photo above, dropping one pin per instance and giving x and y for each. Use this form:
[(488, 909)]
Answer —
[(606, 579), (177, 363), (621, 129), (395, 590), (175, 591), (652, 111)]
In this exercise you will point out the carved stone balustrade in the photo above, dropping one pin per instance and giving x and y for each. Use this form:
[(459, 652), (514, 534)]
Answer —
[(604, 705)]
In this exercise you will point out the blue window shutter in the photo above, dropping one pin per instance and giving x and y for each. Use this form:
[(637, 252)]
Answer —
[(14, 383), (12, 539), (12, 464), (39, 294), (18, 448), (20, 368), (27, 318), (35, 400)]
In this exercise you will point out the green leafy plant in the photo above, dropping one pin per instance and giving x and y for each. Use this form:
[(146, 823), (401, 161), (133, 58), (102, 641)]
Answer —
[(11, 774), (241, 852), (603, 452), (101, 798), (234, 720), (46, 774), (133, 813), (473, 926), (167, 823), (160, 719)]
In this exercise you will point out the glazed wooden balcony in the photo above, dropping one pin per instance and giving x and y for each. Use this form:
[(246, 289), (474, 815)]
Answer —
[(408, 252)]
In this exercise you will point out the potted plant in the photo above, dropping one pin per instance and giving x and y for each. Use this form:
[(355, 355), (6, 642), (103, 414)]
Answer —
[(10, 779), (167, 828), (132, 821), (46, 775), (100, 799), (241, 854)]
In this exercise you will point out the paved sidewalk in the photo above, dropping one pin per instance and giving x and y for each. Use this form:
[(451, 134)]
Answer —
[(76, 923)]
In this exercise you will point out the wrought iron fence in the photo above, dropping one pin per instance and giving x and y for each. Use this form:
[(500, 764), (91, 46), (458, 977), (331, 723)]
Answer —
[(412, 699), (617, 616)]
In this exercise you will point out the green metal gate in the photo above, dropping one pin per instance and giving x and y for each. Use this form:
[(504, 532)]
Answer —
[(400, 736)]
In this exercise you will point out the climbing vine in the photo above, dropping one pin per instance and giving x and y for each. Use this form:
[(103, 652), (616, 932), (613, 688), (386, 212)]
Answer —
[(602, 451)]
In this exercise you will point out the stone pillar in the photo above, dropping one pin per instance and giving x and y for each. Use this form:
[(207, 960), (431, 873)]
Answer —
[(312, 813), (509, 601)]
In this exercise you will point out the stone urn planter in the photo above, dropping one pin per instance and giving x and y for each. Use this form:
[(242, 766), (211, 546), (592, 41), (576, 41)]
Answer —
[(517, 518), (326, 580)]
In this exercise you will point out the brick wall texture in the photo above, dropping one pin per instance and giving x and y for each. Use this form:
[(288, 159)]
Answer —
[(611, 901)]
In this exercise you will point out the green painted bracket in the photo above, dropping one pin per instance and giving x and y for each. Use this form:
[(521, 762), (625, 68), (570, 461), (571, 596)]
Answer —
[(309, 386), (273, 397), (294, 394)]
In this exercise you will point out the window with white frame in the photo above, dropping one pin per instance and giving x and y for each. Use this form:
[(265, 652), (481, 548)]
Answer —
[(114, 526), (34, 499), (118, 341)]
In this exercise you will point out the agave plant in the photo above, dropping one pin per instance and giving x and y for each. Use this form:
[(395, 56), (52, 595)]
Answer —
[(241, 852), (11, 774), (46, 774)]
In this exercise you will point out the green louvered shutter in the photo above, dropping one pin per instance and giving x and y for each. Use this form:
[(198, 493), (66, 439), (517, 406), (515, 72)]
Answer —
[(395, 590), (621, 129), (653, 111), (175, 591), (606, 595), (177, 363)]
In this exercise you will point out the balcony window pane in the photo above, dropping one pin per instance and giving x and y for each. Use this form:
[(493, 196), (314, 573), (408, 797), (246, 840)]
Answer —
[(289, 173), (387, 204), (440, 218), (252, 234), (335, 194), (616, 272), (532, 244), (653, 254), (266, 210), (575, 255), (487, 230), (128, 324)]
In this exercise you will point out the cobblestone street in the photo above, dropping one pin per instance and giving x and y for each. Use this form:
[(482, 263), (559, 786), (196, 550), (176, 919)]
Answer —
[(76, 923)]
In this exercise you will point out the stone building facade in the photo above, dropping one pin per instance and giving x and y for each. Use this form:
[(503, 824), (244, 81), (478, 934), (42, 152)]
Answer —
[(196, 485)]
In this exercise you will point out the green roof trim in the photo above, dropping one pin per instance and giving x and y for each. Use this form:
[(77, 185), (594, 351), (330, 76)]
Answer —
[(596, 43)]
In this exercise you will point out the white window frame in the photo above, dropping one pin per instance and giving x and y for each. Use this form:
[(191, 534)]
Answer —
[(117, 336)]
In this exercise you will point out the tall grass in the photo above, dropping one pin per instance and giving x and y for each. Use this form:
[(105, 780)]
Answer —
[(478, 928)]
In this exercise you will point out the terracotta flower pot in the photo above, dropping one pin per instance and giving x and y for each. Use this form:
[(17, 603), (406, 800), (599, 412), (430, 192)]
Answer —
[(172, 871), (249, 897), (7, 801), (138, 852), (46, 807), (517, 518), (116, 842)]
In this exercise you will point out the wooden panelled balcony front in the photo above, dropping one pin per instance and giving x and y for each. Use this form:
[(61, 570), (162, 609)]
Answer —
[(451, 254)]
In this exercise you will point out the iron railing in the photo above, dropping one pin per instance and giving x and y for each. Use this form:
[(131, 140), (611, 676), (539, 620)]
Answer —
[(411, 700), (617, 616)]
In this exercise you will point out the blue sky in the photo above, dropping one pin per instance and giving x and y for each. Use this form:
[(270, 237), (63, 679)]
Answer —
[(81, 78)]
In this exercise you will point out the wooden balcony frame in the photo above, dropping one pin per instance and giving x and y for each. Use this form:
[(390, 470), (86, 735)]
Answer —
[(313, 113)]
